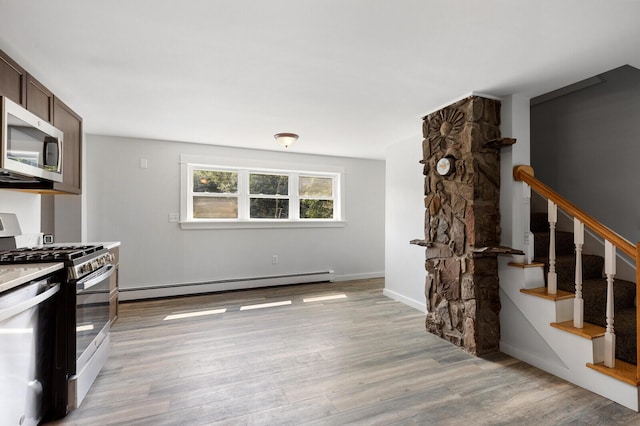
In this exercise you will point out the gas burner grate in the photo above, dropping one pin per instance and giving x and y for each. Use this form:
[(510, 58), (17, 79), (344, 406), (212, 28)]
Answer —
[(48, 254)]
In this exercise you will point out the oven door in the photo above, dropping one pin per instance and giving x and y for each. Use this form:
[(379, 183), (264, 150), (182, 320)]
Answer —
[(91, 331)]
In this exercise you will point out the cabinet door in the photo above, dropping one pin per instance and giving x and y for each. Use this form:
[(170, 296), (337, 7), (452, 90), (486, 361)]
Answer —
[(71, 125), (12, 80), (39, 99)]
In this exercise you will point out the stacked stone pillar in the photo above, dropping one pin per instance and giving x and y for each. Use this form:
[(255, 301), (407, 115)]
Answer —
[(462, 232)]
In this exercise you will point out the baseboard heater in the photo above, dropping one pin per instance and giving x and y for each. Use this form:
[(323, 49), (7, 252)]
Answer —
[(150, 292)]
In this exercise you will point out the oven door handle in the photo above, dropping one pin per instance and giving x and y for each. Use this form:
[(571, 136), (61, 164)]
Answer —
[(108, 271), (28, 304)]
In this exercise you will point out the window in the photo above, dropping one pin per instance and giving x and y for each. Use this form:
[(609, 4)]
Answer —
[(268, 196), (215, 196), (316, 197)]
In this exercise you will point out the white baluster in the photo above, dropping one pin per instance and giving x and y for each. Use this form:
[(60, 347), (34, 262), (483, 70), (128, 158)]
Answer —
[(609, 335), (578, 302), (552, 278)]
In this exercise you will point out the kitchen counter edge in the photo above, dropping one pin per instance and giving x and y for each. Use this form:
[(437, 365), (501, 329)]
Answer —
[(111, 244), (12, 276)]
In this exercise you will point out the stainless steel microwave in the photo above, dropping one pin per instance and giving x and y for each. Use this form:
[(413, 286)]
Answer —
[(31, 146)]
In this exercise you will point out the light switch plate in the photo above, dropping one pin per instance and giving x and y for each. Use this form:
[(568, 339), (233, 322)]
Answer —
[(174, 217)]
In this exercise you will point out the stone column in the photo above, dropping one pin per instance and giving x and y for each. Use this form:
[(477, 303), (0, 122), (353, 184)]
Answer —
[(461, 157)]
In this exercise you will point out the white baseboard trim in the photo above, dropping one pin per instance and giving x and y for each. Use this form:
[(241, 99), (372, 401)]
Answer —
[(169, 290), (353, 277), (406, 300)]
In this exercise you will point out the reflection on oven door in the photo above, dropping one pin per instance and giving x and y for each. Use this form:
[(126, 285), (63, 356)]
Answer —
[(92, 315)]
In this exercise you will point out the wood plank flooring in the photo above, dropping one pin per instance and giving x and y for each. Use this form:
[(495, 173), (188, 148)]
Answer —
[(364, 359)]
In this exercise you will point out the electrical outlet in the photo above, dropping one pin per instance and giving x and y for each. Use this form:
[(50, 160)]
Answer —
[(274, 259), (174, 217)]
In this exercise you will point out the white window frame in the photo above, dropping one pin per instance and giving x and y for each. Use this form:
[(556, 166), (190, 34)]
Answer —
[(244, 167)]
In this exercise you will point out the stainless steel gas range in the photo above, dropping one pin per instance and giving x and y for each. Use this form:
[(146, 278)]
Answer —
[(82, 339)]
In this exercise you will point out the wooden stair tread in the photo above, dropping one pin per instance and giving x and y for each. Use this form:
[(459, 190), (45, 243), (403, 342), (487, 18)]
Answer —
[(527, 265), (622, 371), (542, 292), (589, 331)]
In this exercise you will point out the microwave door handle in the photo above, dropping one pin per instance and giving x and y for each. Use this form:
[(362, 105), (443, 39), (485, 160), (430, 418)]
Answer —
[(28, 304), (83, 285), (60, 155)]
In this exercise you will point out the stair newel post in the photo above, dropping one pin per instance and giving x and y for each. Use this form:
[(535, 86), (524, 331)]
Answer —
[(528, 235), (552, 279), (609, 335), (578, 302)]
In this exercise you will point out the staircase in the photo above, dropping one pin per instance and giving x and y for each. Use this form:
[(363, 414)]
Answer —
[(576, 323), (594, 287)]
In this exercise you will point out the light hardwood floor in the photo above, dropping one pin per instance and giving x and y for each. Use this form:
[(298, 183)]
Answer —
[(364, 359)]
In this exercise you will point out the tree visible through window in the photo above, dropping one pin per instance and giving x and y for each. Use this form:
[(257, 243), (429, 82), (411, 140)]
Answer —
[(316, 197), (269, 196), (217, 194)]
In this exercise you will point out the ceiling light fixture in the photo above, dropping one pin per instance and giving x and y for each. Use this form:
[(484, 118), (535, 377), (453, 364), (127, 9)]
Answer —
[(286, 139)]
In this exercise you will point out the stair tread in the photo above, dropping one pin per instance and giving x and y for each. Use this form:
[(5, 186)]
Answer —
[(526, 265), (622, 371), (589, 331), (543, 293)]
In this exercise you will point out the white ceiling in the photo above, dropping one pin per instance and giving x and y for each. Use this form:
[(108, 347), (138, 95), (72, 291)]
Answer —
[(350, 76)]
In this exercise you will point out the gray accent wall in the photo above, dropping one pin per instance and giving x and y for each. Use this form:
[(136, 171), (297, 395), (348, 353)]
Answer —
[(585, 144)]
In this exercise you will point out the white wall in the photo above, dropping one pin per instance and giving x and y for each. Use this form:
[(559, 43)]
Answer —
[(515, 123), (25, 205), (404, 265), (129, 204), (68, 218)]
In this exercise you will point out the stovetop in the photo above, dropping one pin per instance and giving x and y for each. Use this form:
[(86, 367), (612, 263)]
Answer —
[(58, 253)]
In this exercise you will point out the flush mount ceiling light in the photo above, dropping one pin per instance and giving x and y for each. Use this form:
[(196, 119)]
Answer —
[(286, 139)]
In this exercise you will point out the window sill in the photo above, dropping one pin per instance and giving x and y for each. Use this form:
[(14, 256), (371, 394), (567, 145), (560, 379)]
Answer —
[(260, 224)]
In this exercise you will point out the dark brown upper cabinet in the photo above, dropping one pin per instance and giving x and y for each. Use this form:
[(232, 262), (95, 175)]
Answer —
[(12, 80), (65, 119), (39, 99)]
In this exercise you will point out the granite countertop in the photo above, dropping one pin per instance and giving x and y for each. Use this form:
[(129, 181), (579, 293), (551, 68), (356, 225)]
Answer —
[(14, 275)]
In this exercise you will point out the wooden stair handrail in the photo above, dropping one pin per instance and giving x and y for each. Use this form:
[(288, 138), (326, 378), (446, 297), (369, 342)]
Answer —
[(525, 174)]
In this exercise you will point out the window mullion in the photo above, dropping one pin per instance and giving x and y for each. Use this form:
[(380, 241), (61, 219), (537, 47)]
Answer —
[(243, 194), (294, 203)]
